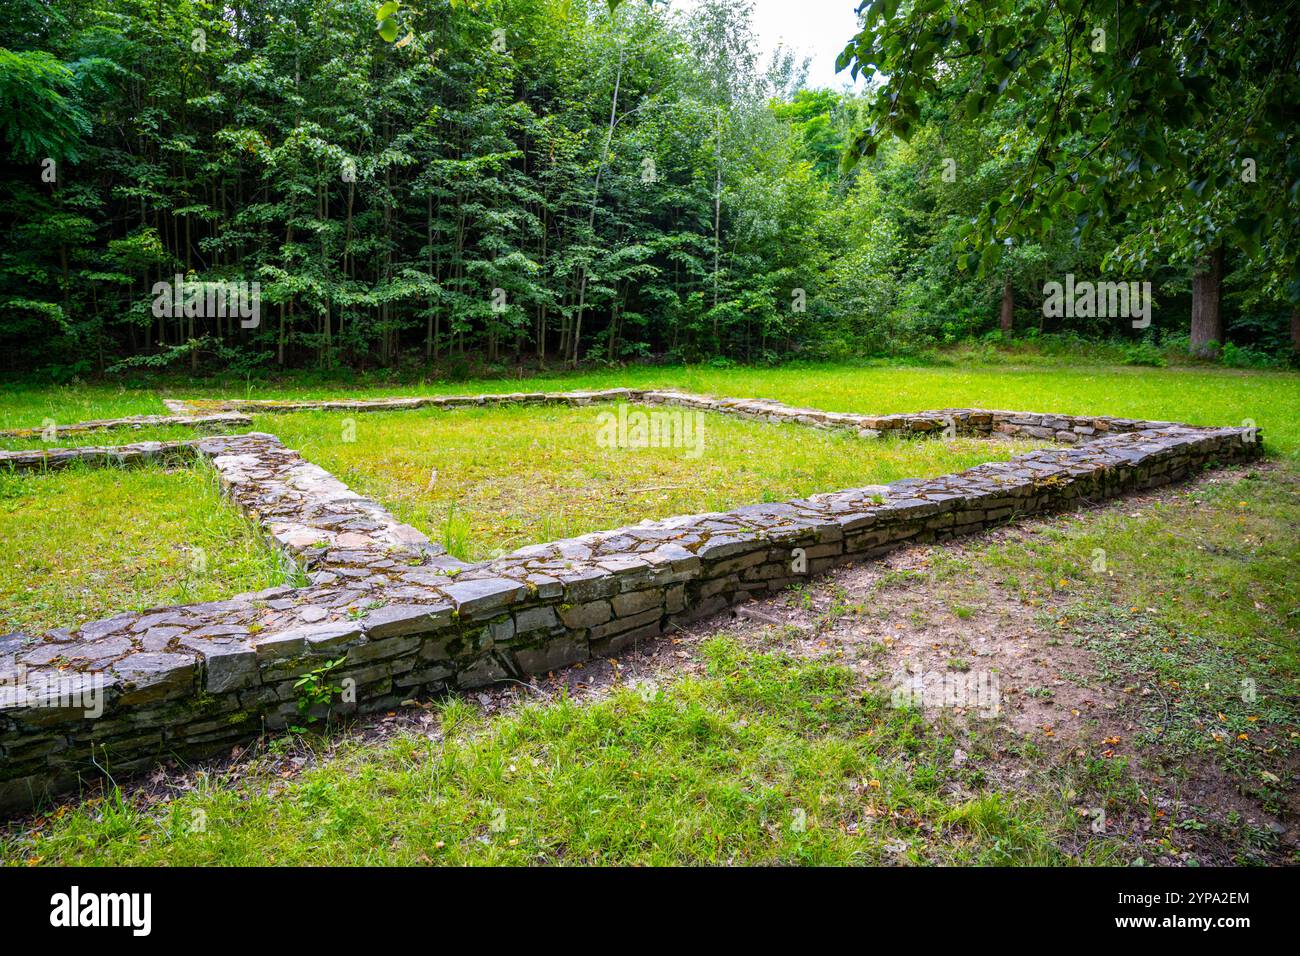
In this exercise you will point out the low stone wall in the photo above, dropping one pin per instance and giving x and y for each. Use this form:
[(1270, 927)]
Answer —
[(1065, 428), (53, 459), (323, 525), (400, 619), (273, 406), (213, 422)]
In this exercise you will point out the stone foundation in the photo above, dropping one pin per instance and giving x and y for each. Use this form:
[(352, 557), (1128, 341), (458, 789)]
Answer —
[(401, 619), (210, 422)]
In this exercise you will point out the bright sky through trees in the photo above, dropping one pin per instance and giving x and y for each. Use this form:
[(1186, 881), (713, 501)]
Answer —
[(815, 28)]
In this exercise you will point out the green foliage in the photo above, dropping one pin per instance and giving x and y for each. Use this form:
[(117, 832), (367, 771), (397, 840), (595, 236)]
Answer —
[(1179, 115), (313, 690), (534, 182), (571, 180), (39, 116)]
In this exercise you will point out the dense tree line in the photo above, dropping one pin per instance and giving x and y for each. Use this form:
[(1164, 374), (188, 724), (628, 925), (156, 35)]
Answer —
[(1174, 123), (541, 181)]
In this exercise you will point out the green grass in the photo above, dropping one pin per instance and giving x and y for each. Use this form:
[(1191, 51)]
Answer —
[(87, 543), (1210, 396), (761, 760), (1217, 559), (507, 477), (1187, 608), (28, 406), (1195, 600)]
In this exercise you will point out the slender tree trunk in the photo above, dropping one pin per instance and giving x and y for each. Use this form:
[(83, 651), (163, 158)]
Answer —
[(279, 349), (541, 306), (1007, 318), (595, 198), (1207, 320), (324, 203), (428, 229), (194, 355), (389, 335), (347, 232), (613, 328), (717, 217)]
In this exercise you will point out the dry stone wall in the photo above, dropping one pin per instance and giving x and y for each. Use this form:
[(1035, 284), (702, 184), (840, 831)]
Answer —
[(212, 422), (54, 459), (398, 618)]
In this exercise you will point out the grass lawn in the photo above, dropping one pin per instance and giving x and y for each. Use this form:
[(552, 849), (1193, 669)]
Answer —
[(87, 543), (1199, 395), (483, 481), (1148, 650)]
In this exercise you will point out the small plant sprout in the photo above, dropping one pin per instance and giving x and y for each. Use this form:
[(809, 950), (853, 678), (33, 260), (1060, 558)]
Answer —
[(314, 689)]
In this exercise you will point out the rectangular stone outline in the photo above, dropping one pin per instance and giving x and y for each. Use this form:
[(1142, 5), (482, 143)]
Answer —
[(408, 620)]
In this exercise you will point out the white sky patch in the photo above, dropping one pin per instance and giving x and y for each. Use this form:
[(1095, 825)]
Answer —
[(819, 29)]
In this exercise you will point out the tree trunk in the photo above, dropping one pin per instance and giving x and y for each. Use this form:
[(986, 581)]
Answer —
[(323, 202), (1207, 320), (595, 198), (279, 349), (717, 220), (1007, 318), (428, 322), (194, 355)]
